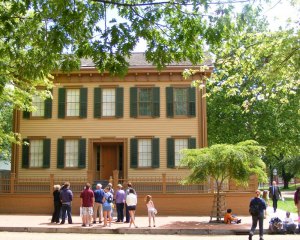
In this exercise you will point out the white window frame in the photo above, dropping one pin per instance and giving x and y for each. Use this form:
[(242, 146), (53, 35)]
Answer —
[(179, 144), (71, 153), (36, 153), (108, 102), (39, 103), (144, 152), (73, 102)]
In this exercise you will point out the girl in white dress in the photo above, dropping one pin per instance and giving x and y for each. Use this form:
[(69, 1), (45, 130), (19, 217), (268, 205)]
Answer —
[(151, 210)]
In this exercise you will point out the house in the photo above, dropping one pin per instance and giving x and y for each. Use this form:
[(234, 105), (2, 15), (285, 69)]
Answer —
[(96, 124), (103, 128)]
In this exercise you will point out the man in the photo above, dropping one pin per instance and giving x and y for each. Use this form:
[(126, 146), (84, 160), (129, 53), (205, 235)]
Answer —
[(257, 208), (120, 200), (87, 203), (98, 209), (274, 194), (66, 198)]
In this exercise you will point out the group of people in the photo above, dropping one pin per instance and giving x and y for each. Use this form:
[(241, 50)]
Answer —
[(100, 204), (258, 206)]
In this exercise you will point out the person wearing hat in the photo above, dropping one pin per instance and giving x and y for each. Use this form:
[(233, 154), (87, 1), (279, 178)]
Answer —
[(120, 201)]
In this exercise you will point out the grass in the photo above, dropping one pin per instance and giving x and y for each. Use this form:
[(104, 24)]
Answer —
[(286, 205), (292, 187)]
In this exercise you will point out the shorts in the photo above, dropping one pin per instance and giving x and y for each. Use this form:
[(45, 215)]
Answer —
[(87, 211), (106, 207), (131, 208)]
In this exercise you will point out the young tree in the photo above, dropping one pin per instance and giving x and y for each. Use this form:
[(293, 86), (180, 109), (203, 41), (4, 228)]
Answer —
[(222, 162)]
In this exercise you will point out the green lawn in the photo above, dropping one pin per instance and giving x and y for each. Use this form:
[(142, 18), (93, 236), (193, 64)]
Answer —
[(292, 187), (286, 205)]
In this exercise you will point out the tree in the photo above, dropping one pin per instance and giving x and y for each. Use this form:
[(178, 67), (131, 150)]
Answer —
[(40, 36), (222, 162)]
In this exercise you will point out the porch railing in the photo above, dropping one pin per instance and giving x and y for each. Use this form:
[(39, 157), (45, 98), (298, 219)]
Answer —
[(148, 185)]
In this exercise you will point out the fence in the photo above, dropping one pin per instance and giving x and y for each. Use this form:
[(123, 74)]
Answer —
[(161, 185)]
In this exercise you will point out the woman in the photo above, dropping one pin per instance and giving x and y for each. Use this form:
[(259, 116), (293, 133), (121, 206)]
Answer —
[(131, 201), (297, 202), (57, 204), (107, 200)]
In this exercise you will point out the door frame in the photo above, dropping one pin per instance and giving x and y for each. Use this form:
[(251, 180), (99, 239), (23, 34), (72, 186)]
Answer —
[(91, 171)]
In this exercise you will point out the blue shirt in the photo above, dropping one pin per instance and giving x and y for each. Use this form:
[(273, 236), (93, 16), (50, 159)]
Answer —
[(99, 193)]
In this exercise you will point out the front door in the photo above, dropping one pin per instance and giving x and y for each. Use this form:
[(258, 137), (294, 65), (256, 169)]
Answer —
[(109, 160)]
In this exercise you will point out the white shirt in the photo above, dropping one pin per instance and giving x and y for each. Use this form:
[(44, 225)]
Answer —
[(288, 220), (131, 199)]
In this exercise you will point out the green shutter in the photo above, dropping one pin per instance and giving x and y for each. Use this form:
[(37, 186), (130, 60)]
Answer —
[(133, 153), (119, 102), (25, 154), (82, 153), (156, 102), (192, 143), (60, 153), (26, 115), (48, 108), (133, 102), (61, 102), (155, 152), (192, 101), (46, 153), (83, 103), (170, 153), (169, 101), (97, 102)]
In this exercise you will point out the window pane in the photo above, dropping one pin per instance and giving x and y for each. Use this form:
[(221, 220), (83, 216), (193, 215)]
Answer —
[(38, 102), (71, 153), (145, 101), (73, 102), (36, 153), (179, 145), (180, 101), (144, 153), (108, 102)]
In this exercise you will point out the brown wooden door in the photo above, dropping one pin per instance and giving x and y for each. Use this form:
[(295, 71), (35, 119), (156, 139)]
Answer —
[(109, 160)]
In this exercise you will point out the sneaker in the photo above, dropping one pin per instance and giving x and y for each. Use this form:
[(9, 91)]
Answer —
[(94, 222), (239, 221), (261, 238)]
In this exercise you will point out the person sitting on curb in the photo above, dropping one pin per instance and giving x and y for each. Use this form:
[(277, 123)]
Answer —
[(288, 224), (229, 218)]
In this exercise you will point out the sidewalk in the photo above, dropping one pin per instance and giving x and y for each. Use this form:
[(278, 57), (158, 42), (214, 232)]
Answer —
[(164, 225)]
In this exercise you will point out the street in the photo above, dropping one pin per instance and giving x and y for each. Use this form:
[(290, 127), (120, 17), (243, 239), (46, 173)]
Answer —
[(55, 236)]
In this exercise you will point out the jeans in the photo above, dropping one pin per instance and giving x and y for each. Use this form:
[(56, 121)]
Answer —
[(260, 219), (120, 211), (66, 207)]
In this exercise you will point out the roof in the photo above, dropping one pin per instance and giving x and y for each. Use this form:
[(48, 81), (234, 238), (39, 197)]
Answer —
[(138, 59)]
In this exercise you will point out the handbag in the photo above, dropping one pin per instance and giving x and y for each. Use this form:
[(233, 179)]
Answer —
[(155, 211)]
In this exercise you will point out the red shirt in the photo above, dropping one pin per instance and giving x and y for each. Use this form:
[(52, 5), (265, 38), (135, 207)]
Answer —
[(87, 196)]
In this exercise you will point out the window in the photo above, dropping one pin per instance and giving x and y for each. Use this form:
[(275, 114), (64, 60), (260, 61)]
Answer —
[(108, 102), (144, 102), (71, 157), (43, 108), (174, 146), (36, 153), (73, 102), (181, 101), (39, 104), (179, 145), (144, 152), (71, 153)]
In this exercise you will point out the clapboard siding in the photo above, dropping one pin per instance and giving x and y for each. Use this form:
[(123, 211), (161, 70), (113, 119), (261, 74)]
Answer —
[(124, 127)]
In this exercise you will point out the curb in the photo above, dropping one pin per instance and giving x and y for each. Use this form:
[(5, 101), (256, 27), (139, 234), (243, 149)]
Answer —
[(126, 231)]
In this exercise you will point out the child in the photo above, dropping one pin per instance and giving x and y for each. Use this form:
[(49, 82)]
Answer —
[(265, 197), (288, 224), (151, 210), (229, 218)]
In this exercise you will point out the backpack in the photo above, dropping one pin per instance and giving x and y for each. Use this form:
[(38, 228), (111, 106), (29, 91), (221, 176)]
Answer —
[(254, 208), (275, 225), (109, 199)]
